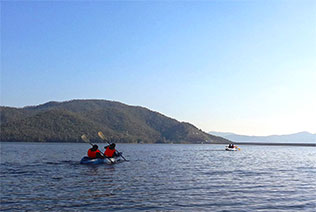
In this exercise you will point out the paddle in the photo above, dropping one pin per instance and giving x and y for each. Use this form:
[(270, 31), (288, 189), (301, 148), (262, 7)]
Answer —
[(237, 147), (100, 134), (85, 139)]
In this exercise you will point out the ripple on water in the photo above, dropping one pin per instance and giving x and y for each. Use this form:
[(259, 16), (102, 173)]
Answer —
[(160, 178)]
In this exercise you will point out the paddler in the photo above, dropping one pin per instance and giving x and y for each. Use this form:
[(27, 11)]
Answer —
[(94, 152), (110, 151)]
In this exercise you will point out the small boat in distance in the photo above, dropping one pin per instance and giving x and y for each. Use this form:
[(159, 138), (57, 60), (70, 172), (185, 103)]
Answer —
[(232, 147)]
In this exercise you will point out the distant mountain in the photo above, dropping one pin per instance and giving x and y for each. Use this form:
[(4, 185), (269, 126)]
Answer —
[(67, 121), (301, 137)]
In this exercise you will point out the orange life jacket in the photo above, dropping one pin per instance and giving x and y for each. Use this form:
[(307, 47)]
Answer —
[(109, 152), (93, 154)]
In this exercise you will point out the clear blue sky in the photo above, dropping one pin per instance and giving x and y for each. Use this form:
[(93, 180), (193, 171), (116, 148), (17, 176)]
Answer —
[(247, 67)]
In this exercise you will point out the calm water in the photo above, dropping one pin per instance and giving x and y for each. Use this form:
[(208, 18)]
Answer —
[(48, 177)]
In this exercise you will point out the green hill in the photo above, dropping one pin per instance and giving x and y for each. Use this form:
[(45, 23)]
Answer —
[(67, 121)]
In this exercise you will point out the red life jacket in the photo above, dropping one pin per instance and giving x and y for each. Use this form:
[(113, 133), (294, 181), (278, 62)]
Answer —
[(93, 154), (109, 152)]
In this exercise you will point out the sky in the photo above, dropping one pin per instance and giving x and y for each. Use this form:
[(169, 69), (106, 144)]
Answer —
[(247, 67)]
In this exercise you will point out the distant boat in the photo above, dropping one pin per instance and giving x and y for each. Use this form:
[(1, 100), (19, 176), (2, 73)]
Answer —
[(229, 148)]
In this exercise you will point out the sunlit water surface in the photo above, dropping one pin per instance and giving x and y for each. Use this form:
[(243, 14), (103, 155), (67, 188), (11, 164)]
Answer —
[(158, 177)]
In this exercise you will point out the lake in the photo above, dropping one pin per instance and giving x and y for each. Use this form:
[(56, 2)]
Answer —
[(158, 177)]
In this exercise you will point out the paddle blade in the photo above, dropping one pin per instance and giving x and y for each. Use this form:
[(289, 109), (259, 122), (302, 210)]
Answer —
[(85, 139), (100, 134)]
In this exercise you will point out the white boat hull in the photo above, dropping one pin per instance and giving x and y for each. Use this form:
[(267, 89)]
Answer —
[(227, 148)]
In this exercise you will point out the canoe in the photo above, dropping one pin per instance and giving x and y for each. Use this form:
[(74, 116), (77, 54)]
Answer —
[(95, 161)]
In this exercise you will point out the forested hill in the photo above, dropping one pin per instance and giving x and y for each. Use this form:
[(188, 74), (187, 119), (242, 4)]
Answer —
[(67, 121)]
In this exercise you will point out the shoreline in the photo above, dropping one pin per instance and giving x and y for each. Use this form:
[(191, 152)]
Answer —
[(236, 143), (276, 144)]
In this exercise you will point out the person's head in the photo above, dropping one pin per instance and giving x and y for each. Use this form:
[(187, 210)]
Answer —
[(112, 146), (95, 147)]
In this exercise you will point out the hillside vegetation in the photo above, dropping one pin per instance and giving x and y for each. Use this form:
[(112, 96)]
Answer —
[(67, 121)]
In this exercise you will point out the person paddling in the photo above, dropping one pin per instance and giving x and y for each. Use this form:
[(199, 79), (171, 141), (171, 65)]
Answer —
[(110, 151), (94, 152)]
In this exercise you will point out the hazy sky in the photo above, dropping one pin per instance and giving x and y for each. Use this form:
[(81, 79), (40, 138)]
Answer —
[(247, 67)]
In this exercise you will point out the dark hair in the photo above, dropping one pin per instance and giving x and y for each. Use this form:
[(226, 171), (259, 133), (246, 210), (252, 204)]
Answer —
[(95, 147), (112, 146)]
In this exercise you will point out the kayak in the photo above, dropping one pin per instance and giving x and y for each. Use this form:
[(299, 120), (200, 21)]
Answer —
[(227, 148), (95, 161)]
